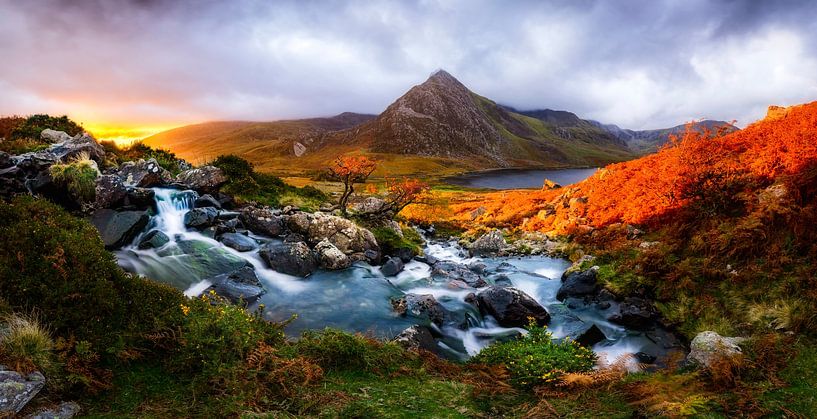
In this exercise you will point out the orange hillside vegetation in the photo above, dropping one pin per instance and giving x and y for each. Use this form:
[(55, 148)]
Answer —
[(701, 173)]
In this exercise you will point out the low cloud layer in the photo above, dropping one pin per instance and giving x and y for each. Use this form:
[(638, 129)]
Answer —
[(639, 64)]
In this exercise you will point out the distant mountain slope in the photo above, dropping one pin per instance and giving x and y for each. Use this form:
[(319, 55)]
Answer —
[(261, 140), (649, 141)]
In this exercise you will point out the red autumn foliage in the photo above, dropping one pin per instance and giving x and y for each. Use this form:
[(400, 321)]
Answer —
[(402, 192), (350, 170)]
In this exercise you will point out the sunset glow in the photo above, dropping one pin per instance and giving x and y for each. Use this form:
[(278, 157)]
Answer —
[(124, 134)]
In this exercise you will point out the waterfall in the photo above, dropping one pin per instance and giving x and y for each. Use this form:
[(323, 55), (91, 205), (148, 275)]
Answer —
[(172, 205)]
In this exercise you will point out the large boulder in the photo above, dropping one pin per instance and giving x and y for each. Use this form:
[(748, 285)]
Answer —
[(144, 174), (416, 338), (110, 191), (511, 307), (207, 200), (154, 239), (141, 198), (262, 220), (79, 145), (118, 228), (239, 285), (238, 242), (200, 217), (423, 306), (635, 313), (489, 244), (709, 347), (578, 284), (205, 179), (344, 234), (369, 206), (450, 271), (54, 136), (392, 267), (330, 257), (289, 258), (16, 391)]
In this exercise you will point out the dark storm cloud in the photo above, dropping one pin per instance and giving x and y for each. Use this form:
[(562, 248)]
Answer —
[(636, 63)]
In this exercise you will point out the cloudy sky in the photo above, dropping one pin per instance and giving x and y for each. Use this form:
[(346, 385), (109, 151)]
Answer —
[(639, 64)]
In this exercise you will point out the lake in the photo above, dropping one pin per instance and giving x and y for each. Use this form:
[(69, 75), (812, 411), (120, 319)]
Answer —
[(519, 178)]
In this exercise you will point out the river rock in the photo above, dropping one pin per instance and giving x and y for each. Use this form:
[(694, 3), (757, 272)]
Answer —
[(423, 306), (350, 239), (143, 174), (64, 410), (590, 336), (238, 242), (404, 253), (140, 198), (80, 144), (489, 244), (207, 200), (392, 267), (262, 220), (5, 160), (239, 285), (635, 313), (511, 307), (154, 239), (417, 338), (578, 284), (200, 217), (16, 391), (289, 258), (446, 270), (205, 179), (110, 191), (118, 228), (330, 257), (709, 347)]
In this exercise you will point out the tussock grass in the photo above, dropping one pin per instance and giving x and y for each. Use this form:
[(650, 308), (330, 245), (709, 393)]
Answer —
[(26, 342), (79, 176)]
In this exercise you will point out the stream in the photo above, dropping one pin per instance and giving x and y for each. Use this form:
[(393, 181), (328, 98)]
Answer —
[(358, 299)]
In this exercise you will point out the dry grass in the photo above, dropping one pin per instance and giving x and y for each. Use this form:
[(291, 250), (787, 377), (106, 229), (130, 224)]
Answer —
[(26, 343)]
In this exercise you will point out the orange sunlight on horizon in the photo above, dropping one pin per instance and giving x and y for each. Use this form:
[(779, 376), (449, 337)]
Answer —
[(124, 134)]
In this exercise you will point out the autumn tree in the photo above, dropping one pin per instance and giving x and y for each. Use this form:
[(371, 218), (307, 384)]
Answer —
[(350, 170), (401, 193)]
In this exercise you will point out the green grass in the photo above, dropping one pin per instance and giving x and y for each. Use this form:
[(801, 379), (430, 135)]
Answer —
[(800, 393)]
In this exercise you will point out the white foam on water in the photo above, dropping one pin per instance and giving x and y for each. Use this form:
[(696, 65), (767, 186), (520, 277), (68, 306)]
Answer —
[(196, 289)]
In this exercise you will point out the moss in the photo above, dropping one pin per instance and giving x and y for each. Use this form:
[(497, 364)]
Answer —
[(79, 177), (389, 241)]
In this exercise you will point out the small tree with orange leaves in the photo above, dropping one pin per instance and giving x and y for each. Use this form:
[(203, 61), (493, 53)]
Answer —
[(350, 170), (401, 193)]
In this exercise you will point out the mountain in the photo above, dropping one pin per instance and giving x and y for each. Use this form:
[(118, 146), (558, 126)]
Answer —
[(649, 141)]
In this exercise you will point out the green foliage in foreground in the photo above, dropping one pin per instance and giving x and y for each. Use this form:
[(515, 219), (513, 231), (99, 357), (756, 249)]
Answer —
[(117, 155), (35, 124), (390, 241), (536, 359), (246, 185), (79, 177)]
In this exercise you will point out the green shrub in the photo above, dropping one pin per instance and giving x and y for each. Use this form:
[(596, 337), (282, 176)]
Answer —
[(79, 176), (389, 241), (26, 342), (336, 350), (57, 263), (138, 150), (35, 124), (537, 359)]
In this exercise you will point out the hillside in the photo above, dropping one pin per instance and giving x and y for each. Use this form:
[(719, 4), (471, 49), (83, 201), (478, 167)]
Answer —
[(649, 141), (437, 127)]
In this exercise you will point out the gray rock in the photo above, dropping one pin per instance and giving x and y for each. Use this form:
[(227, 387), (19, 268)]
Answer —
[(154, 239), (207, 200), (423, 306), (289, 258), (16, 391), (417, 338), (446, 270), (141, 198), (489, 244), (635, 313), (578, 284), (263, 220), (80, 144), (344, 234), (118, 228), (205, 179), (369, 206), (143, 174), (239, 285), (238, 242), (200, 217), (110, 191), (53, 136), (5, 160), (330, 257), (65, 410), (511, 307), (709, 347), (392, 267)]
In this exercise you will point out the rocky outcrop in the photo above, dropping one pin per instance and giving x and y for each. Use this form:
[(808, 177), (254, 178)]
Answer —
[(238, 242), (17, 390), (143, 174), (511, 307), (708, 348), (370, 206), (110, 191), (578, 284), (489, 244), (392, 267), (417, 338), (207, 200), (289, 258), (118, 228), (344, 234), (330, 257), (241, 285), (205, 179), (53, 136), (262, 220)]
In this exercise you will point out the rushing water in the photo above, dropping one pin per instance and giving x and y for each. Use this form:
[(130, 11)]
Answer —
[(358, 298), (519, 178)]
